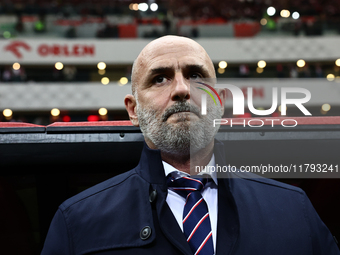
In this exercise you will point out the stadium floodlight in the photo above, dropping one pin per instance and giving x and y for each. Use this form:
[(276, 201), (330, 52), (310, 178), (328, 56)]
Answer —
[(263, 22), (105, 80), (326, 107), (123, 81), (154, 7), (7, 113), (337, 62), (16, 66), (222, 64), (58, 65), (261, 64), (285, 13), (300, 63), (102, 111), (220, 70), (101, 65), (330, 77), (271, 11), (143, 7), (259, 70), (295, 15), (55, 112)]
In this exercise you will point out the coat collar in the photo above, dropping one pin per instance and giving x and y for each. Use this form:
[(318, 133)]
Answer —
[(151, 169), (150, 166)]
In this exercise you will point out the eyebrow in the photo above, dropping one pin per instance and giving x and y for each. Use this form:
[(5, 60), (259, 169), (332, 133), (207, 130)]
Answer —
[(191, 68), (160, 70), (198, 68)]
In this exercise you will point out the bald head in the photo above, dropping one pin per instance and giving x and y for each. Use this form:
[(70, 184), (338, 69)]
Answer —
[(169, 47)]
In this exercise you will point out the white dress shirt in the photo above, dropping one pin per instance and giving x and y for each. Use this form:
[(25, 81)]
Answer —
[(176, 202)]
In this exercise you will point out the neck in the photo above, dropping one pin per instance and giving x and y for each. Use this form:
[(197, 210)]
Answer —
[(185, 163)]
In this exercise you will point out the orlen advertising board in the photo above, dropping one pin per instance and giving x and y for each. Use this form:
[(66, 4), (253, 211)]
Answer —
[(125, 51), (49, 51)]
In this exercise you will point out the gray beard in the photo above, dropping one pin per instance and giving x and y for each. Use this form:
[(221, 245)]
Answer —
[(184, 137)]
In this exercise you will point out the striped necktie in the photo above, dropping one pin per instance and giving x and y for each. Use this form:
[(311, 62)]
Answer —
[(196, 221)]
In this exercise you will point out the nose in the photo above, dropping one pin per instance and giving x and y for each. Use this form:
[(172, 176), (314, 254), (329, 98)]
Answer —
[(181, 89)]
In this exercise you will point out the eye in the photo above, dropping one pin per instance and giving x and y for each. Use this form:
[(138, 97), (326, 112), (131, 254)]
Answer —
[(160, 79), (195, 76)]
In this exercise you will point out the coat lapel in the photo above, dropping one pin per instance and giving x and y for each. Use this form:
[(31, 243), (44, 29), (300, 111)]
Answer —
[(151, 169), (170, 226)]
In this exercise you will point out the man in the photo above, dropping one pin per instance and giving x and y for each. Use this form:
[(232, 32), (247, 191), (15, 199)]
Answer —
[(145, 210)]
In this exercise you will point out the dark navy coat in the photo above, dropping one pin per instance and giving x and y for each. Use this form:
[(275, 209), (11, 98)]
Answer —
[(128, 214)]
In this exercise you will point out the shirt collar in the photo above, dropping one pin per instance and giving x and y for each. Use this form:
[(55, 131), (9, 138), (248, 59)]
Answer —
[(169, 169)]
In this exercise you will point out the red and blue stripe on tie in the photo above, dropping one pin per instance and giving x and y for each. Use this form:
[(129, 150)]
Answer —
[(196, 221)]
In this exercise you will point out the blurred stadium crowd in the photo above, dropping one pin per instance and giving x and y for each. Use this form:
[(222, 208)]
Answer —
[(311, 17), (228, 10), (152, 19)]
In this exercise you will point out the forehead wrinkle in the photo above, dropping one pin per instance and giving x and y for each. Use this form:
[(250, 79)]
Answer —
[(158, 48)]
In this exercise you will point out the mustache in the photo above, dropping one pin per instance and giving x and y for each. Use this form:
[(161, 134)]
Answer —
[(181, 107)]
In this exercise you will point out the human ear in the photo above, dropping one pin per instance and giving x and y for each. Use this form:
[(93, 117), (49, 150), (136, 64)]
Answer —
[(131, 108), (223, 95)]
